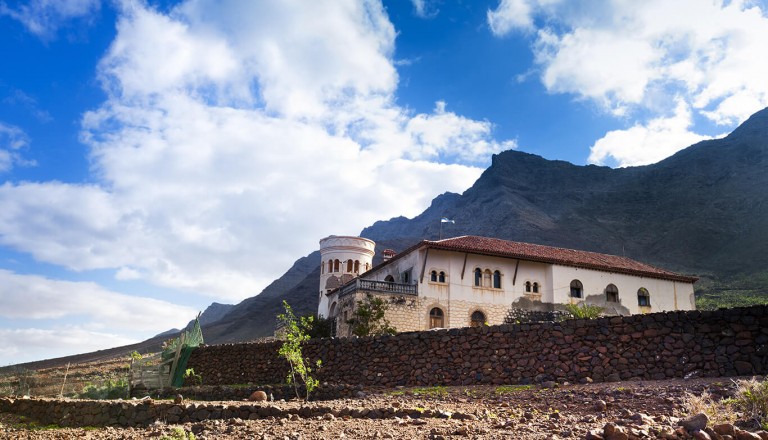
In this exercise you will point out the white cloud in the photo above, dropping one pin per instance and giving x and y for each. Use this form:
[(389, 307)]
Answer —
[(39, 298), (233, 138), (511, 15), (517, 15), (442, 134), (34, 344), (708, 53), (44, 17), (648, 143), (425, 8), (105, 318), (631, 56), (12, 139)]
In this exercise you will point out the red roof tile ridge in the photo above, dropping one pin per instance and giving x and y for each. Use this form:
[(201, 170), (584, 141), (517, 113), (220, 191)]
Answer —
[(553, 254)]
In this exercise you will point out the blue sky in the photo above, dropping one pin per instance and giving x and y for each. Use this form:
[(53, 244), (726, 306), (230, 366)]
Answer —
[(158, 156)]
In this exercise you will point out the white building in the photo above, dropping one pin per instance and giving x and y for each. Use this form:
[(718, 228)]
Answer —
[(343, 258), (464, 281)]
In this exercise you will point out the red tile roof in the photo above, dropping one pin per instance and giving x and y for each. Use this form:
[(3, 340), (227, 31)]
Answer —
[(554, 255)]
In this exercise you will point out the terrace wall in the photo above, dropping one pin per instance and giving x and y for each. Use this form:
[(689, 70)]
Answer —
[(726, 342)]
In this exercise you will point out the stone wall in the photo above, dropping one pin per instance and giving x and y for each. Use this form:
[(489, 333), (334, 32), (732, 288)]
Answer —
[(135, 413), (654, 346), (411, 313)]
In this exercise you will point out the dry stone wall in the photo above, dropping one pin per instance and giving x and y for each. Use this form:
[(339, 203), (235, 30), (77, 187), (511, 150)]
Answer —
[(68, 413), (728, 342)]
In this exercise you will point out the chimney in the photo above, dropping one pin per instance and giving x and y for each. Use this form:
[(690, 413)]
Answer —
[(388, 254)]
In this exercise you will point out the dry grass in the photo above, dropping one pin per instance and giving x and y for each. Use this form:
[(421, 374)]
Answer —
[(718, 411), (752, 400), (749, 404), (51, 382)]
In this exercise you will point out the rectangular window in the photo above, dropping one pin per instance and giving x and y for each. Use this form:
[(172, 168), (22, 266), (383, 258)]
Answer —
[(405, 277)]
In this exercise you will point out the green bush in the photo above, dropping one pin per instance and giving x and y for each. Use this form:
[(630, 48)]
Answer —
[(179, 434), (109, 389), (193, 378), (369, 318), (320, 327), (584, 311)]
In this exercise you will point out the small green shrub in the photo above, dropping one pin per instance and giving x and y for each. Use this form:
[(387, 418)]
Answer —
[(584, 311), (109, 389), (179, 434), (436, 391), (369, 318), (192, 377), (320, 327), (509, 389)]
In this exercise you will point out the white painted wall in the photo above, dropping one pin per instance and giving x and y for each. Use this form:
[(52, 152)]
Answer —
[(665, 295), (554, 282)]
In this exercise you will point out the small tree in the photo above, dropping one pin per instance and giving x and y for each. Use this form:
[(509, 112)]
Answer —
[(296, 333), (369, 319)]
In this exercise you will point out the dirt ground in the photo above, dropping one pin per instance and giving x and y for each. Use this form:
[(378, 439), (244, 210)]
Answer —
[(642, 409)]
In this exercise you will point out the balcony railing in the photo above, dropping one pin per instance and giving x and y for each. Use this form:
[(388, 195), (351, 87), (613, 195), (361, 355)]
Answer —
[(377, 286)]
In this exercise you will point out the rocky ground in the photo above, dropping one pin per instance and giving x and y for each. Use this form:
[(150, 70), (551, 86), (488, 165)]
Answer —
[(619, 410)]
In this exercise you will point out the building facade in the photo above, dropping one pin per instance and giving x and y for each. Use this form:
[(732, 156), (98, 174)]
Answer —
[(467, 281)]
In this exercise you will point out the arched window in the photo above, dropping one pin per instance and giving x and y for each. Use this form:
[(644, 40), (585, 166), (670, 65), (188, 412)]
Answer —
[(497, 280), (611, 293), (527, 286), (433, 276), (366, 267), (535, 287), (322, 267), (436, 318), (643, 297), (577, 289), (349, 266), (332, 311), (478, 277), (357, 266), (389, 279), (477, 319), (336, 265), (441, 277), (330, 266), (487, 278)]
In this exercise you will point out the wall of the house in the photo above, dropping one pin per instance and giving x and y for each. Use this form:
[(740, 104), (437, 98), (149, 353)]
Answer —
[(458, 297), (665, 295)]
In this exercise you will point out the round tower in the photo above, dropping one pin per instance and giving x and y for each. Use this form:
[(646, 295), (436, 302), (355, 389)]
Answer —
[(342, 258)]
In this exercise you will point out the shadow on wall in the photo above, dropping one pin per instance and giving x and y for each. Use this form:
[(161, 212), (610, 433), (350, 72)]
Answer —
[(534, 305), (524, 310), (529, 310), (610, 308)]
